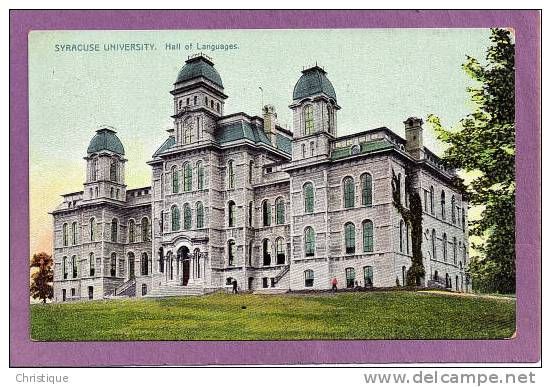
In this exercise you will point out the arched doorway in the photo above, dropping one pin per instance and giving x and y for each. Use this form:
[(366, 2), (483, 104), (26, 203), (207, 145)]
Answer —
[(183, 256), (131, 259)]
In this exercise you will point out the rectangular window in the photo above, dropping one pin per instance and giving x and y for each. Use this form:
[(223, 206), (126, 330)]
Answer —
[(368, 276), (265, 282), (64, 294), (90, 292), (73, 292), (350, 277), (272, 282)]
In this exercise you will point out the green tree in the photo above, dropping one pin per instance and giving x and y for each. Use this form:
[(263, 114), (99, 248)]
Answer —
[(485, 145), (42, 277)]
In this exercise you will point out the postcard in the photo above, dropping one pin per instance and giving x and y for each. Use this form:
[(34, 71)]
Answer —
[(312, 190)]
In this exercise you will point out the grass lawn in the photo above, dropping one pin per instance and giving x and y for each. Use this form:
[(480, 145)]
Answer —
[(362, 315)]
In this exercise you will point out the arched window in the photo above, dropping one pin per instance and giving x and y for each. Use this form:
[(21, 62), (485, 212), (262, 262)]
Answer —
[(308, 193), (74, 232), (64, 268), (433, 243), (196, 253), (92, 229), (175, 218), (131, 231), (74, 265), (161, 261), (401, 236), (112, 193), (432, 200), (92, 264), (453, 209), (65, 234), (187, 217), (348, 189), (463, 219), (399, 188), (144, 264), (465, 254), (114, 230), (312, 148), (113, 170), (367, 189), (367, 227), (250, 214), (188, 177), (308, 120), (308, 278), (454, 250), (445, 247), (94, 170), (251, 169), (330, 119), (231, 213), (280, 251), (187, 134), (145, 229), (350, 276), (407, 238), (443, 204), (350, 238), (309, 241), (200, 175), (113, 265), (200, 215), (266, 213), (280, 211), (231, 175), (231, 252), (175, 183), (266, 252), (303, 146)]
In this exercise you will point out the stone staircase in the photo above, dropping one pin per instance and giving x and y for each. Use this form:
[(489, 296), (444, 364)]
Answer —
[(281, 274), (175, 291), (127, 289)]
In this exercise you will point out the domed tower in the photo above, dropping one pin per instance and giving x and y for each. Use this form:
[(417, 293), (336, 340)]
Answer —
[(314, 114), (105, 167), (198, 100)]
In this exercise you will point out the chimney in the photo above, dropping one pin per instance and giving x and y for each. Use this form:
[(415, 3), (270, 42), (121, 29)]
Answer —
[(414, 137), (270, 120)]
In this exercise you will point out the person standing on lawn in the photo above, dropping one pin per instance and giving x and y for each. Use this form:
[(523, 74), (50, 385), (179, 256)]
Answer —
[(334, 284)]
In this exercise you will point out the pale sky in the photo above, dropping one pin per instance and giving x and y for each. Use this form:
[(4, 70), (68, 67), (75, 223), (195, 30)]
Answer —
[(381, 77)]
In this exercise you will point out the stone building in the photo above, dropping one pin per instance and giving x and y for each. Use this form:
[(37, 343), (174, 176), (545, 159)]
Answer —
[(238, 197)]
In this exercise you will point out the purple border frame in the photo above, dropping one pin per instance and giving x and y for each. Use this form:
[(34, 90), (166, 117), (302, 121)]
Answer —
[(524, 348)]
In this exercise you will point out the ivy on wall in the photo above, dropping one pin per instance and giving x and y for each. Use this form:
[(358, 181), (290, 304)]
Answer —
[(413, 217)]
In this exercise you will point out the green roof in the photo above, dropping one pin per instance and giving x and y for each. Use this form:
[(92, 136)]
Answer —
[(238, 130), (244, 130), (199, 67), (106, 139), (365, 147), (169, 142), (312, 82)]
